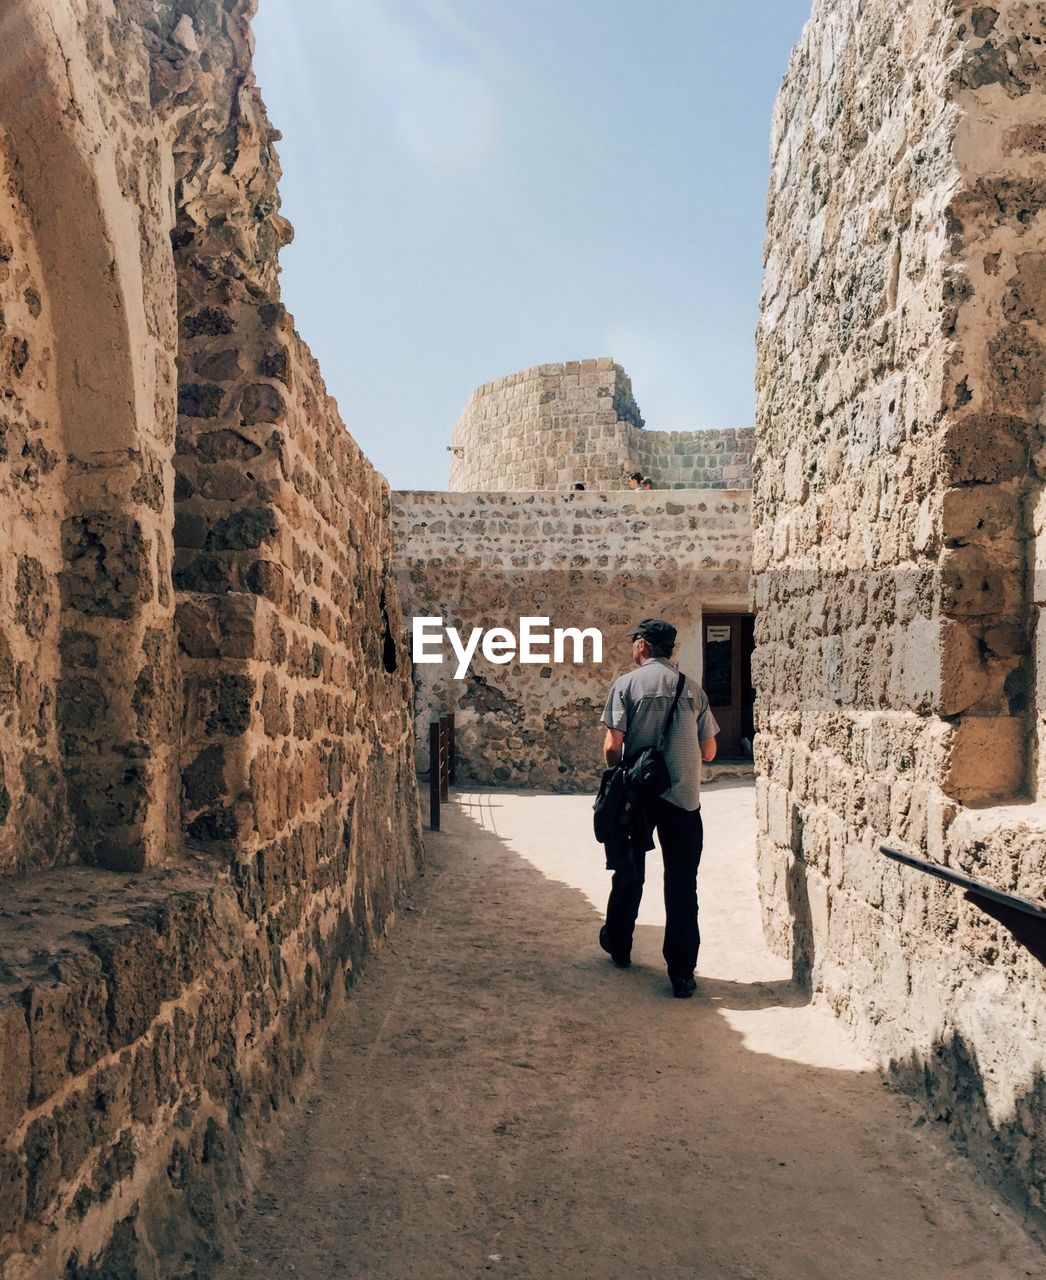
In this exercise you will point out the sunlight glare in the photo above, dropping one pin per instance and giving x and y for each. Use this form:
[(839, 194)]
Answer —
[(449, 118), (442, 105)]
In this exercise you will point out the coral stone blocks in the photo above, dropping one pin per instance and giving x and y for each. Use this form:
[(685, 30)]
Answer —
[(896, 489), (556, 425)]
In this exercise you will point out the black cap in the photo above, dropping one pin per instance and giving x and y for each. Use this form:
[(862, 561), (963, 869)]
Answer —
[(656, 631)]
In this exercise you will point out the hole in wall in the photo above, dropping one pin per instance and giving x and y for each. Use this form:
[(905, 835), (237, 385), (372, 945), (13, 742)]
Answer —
[(388, 644)]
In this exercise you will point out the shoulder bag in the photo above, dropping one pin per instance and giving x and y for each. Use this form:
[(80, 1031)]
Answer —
[(647, 771)]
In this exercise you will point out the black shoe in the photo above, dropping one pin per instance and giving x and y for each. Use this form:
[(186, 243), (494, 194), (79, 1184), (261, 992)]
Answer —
[(620, 958), (683, 988)]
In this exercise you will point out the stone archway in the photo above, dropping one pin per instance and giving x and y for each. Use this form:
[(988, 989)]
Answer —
[(104, 299)]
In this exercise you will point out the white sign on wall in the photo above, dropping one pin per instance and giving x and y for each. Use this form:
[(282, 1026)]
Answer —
[(714, 634)]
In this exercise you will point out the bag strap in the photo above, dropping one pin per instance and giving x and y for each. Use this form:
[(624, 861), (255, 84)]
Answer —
[(672, 713)]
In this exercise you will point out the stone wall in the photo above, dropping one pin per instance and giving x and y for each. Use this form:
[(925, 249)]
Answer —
[(35, 827), (89, 335), (216, 700), (583, 560), (556, 425), (900, 402), (717, 459)]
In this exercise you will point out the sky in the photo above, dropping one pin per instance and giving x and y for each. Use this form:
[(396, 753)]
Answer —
[(478, 186)]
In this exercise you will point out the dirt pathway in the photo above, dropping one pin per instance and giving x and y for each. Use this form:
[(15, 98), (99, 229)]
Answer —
[(496, 1098)]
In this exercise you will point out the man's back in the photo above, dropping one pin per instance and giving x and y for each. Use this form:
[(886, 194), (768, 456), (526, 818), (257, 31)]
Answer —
[(638, 706)]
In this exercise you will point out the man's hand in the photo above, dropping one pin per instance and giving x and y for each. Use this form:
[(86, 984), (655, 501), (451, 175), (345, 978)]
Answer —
[(612, 745), (708, 750)]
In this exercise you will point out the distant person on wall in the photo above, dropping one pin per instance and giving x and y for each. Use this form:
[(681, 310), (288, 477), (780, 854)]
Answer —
[(654, 706), (647, 485), (635, 479), (579, 487)]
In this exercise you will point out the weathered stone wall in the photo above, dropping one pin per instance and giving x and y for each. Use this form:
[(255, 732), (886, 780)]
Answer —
[(84, 160), (898, 447), (282, 533), (263, 784), (34, 821), (720, 458), (587, 559), (556, 425)]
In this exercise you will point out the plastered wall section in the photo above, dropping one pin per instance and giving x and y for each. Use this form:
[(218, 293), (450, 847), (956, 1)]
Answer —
[(900, 393), (155, 1016), (556, 425), (602, 560)]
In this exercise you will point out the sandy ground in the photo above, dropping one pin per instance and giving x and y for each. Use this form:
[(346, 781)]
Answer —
[(497, 1098)]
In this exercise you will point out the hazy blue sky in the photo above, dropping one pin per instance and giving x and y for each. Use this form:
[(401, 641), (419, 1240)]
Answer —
[(478, 186)]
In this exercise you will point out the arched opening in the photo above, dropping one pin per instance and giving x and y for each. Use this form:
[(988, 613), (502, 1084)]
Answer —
[(114, 692)]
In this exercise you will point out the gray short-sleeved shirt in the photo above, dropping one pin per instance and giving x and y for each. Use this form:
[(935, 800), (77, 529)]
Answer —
[(638, 706)]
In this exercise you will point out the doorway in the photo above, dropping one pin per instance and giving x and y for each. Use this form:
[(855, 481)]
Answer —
[(728, 641)]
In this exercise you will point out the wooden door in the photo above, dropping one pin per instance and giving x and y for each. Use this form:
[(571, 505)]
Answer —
[(727, 643)]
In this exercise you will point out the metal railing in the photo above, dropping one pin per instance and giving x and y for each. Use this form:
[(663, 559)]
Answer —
[(441, 765), (1026, 920)]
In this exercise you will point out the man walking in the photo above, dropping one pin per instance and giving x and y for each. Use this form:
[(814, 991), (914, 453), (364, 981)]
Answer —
[(635, 716)]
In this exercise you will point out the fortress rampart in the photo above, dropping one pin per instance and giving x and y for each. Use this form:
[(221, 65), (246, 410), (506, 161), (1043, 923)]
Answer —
[(556, 425)]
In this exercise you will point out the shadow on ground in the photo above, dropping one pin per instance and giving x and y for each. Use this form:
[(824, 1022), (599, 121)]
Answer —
[(497, 1098)]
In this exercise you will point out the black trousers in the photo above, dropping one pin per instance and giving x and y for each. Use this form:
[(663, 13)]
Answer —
[(681, 835)]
